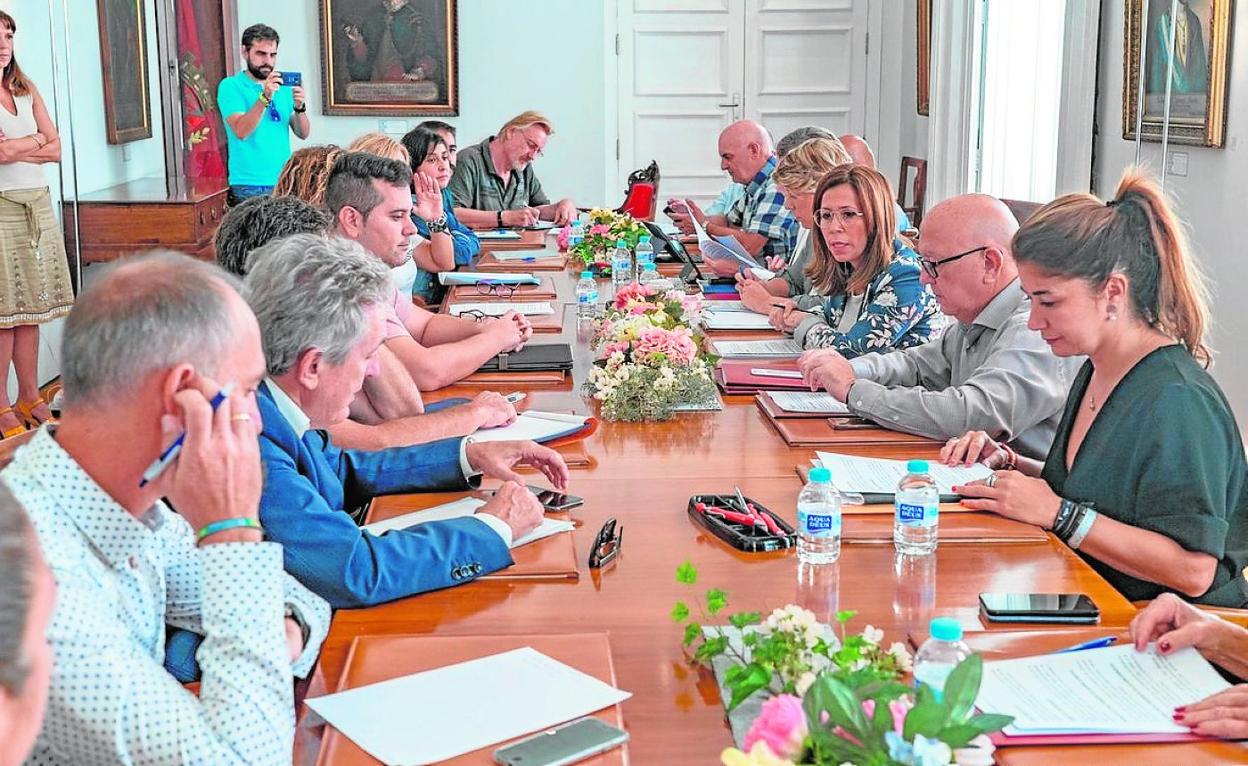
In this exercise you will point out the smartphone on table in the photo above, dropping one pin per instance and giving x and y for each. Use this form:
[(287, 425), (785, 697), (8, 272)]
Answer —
[(554, 501), (562, 745), (1064, 608)]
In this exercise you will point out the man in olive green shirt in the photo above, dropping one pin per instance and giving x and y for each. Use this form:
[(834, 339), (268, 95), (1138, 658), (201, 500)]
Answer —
[(494, 184)]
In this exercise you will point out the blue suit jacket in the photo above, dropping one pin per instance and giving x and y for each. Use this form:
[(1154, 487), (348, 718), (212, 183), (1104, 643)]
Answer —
[(308, 484)]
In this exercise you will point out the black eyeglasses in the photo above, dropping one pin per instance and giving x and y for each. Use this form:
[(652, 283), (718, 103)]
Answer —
[(606, 544), (473, 314), (931, 268), (501, 289)]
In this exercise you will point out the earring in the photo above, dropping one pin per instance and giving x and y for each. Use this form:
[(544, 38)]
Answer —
[(1113, 312)]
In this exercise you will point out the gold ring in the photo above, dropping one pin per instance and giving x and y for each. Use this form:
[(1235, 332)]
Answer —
[(240, 417)]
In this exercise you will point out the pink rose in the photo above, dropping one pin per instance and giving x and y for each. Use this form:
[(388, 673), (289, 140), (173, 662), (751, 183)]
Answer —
[(599, 229), (561, 239), (781, 725)]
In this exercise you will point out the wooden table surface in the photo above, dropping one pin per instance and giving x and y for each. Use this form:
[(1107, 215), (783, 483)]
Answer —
[(643, 475)]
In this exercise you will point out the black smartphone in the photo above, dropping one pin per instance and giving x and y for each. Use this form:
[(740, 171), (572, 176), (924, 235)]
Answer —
[(556, 501), (292, 78), (562, 745), (1074, 608)]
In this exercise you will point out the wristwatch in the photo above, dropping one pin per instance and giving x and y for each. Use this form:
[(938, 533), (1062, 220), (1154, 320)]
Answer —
[(439, 226), (500, 219), (304, 628), (301, 109)]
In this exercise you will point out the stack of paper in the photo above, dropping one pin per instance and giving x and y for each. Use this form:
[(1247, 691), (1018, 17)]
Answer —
[(473, 277), (499, 234), (722, 248), (742, 349), (523, 255), (1115, 690), (439, 714), (466, 507), (534, 425), (807, 401), (879, 476), (498, 308), (735, 320)]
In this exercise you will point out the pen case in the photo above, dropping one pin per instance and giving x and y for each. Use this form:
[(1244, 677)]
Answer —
[(741, 536)]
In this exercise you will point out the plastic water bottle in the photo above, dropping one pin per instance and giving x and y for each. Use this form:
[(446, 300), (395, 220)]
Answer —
[(917, 508), (645, 253), (650, 275), (621, 265), (577, 235), (586, 296), (940, 654), (819, 520)]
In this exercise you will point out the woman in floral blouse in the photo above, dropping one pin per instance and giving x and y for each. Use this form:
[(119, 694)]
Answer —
[(867, 295)]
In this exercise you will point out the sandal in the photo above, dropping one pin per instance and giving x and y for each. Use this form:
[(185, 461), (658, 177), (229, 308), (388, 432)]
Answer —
[(15, 430), (26, 411)]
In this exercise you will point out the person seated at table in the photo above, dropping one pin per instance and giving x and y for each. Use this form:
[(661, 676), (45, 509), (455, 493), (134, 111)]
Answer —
[(306, 174), (495, 185), (758, 220), (27, 599), (419, 247), (868, 295), (734, 191), (369, 198), (151, 344), (451, 243), (257, 220), (989, 371), (447, 132), (1147, 478), (861, 154), (1173, 624), (322, 306), (797, 174)]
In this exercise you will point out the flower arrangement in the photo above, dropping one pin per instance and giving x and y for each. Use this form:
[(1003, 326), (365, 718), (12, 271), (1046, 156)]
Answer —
[(834, 698), (648, 360), (604, 229)]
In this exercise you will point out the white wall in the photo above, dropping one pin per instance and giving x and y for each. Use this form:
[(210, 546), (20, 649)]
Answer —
[(1210, 198), (512, 56), (903, 131)]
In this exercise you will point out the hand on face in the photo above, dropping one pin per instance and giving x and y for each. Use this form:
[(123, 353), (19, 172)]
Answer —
[(428, 197)]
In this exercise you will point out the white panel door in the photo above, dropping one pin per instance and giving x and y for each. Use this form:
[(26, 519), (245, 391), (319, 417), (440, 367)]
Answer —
[(806, 64), (681, 73)]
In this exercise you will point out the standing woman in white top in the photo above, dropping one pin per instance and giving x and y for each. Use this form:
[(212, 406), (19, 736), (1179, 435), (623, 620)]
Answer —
[(34, 274)]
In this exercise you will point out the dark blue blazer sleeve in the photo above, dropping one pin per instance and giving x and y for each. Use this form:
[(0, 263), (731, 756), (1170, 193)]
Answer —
[(366, 474)]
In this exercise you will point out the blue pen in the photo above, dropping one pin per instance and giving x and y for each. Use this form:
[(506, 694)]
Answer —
[(171, 452), (1096, 643)]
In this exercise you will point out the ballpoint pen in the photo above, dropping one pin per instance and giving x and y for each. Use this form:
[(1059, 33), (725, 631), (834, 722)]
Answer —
[(812, 312), (171, 452), (1097, 643)]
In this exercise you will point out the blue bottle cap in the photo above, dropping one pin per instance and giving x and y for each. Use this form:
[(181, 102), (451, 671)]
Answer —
[(643, 238), (820, 475), (917, 466), (946, 629), (587, 275), (621, 243)]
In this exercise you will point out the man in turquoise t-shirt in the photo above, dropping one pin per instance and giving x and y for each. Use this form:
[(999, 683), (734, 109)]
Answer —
[(257, 111)]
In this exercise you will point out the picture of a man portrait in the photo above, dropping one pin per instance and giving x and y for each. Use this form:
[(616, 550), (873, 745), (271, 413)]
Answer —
[(389, 56), (1190, 89)]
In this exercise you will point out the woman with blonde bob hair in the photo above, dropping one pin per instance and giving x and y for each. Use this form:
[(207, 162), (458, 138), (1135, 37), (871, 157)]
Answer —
[(796, 175), (1146, 478), (866, 294)]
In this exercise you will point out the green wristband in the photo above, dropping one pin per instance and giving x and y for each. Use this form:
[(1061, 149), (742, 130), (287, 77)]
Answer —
[(226, 524)]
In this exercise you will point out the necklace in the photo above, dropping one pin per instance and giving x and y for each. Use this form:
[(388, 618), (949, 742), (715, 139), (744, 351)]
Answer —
[(1091, 401)]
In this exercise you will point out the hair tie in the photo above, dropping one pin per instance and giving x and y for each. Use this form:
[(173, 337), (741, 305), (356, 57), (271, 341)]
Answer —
[(1112, 203)]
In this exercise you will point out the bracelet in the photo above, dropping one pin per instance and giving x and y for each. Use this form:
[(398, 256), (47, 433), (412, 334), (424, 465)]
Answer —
[(439, 226), (500, 219), (226, 524), (39, 140), (301, 109), (1064, 512), (1011, 457), (265, 98), (1072, 523), (1084, 527)]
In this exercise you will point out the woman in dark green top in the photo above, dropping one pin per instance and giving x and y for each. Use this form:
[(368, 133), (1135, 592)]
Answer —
[(1147, 478)]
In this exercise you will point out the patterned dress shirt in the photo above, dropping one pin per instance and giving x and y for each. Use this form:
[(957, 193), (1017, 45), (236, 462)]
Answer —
[(120, 581), (761, 211)]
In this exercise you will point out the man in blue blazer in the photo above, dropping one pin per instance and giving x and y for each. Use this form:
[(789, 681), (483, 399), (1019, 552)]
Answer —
[(320, 304)]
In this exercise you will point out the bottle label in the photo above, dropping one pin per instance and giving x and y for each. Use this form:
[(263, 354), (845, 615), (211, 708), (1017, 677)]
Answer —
[(819, 524), (915, 515), (588, 297)]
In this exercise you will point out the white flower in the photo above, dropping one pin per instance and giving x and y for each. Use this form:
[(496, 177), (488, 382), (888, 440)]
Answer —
[(888, 299), (873, 635), (804, 682), (902, 655), (978, 752)]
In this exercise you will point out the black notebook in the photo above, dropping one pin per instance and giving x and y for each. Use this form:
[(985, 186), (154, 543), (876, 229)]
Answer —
[(537, 357)]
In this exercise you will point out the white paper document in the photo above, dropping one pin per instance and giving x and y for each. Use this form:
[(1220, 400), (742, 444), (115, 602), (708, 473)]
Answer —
[(735, 320), (739, 349), (473, 277), (524, 255), (466, 507), (498, 308), (722, 306), (763, 372), (874, 475), (808, 401), (1115, 690), (722, 248), (537, 426), (439, 714), (498, 234)]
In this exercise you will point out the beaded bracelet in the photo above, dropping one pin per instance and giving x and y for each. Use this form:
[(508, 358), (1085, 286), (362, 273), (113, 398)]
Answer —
[(226, 524)]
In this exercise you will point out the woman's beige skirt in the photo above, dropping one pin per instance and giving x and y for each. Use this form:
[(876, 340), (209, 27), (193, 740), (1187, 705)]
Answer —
[(34, 275)]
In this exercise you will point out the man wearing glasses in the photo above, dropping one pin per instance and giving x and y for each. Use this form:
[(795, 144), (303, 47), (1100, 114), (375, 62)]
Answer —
[(989, 372), (259, 116), (494, 184)]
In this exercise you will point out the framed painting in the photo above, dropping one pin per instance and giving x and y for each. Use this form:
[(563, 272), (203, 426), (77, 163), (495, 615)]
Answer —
[(123, 56), (924, 54), (1201, 31), (390, 57)]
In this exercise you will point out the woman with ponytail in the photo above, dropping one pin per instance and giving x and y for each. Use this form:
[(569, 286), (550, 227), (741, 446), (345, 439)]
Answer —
[(1146, 478)]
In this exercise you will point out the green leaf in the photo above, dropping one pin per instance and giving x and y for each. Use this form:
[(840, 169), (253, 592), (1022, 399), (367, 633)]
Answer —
[(692, 632), (987, 723), (716, 600), (686, 573), (711, 647), (828, 695), (962, 687), (845, 616), (680, 612), (882, 719), (742, 619), (958, 735), (755, 677), (926, 718)]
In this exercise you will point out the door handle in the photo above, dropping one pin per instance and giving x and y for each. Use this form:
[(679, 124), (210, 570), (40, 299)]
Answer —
[(736, 102)]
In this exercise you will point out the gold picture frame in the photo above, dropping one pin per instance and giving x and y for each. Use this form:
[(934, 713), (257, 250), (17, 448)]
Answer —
[(924, 55), (1198, 90)]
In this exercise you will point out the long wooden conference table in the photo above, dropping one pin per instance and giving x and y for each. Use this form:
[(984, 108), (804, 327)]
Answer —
[(643, 474)]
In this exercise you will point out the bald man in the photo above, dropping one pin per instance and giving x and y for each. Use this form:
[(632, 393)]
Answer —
[(989, 372), (758, 219), (859, 150)]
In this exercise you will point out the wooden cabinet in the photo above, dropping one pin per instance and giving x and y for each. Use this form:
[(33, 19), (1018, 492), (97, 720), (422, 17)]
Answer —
[(145, 215)]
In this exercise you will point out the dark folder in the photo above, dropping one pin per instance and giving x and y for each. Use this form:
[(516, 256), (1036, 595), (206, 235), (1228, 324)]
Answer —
[(535, 357)]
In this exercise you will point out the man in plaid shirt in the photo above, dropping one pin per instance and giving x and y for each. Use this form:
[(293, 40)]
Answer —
[(758, 220)]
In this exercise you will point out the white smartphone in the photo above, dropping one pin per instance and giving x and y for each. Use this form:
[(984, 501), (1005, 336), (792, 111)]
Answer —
[(571, 742)]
